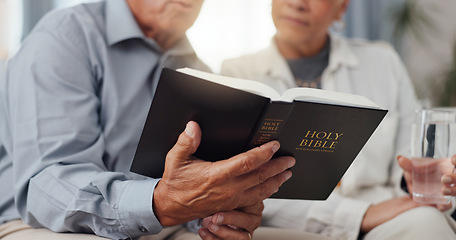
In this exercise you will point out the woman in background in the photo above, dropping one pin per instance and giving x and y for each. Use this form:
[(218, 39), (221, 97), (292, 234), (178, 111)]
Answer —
[(369, 203)]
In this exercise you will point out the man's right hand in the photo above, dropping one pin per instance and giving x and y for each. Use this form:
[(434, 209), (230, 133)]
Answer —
[(192, 188)]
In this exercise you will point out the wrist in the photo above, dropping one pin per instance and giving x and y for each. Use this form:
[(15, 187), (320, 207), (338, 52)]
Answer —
[(162, 207), (169, 210), (368, 222)]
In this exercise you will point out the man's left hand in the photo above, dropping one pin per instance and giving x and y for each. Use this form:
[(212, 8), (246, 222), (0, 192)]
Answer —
[(237, 224)]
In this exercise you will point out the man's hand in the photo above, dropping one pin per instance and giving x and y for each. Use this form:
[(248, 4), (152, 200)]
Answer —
[(192, 188), (237, 224)]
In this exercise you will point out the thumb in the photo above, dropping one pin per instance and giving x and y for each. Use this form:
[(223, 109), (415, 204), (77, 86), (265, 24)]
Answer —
[(404, 163), (187, 142)]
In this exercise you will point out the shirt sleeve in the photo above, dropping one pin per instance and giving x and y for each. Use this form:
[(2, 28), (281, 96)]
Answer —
[(194, 226), (62, 181)]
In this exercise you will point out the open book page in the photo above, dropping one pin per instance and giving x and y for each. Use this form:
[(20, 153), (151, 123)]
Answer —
[(325, 96), (303, 94), (237, 83)]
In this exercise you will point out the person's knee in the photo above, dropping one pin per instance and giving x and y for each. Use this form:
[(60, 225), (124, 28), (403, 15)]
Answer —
[(424, 223), (422, 217), (418, 223)]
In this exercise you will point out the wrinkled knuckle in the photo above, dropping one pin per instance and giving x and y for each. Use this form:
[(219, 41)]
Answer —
[(261, 207), (264, 192), (182, 143), (248, 162), (170, 155), (256, 224), (262, 176)]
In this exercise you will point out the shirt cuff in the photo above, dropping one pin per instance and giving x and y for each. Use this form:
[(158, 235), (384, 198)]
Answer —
[(136, 213), (348, 218), (404, 185), (194, 226)]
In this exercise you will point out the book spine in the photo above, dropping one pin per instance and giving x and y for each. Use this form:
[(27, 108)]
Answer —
[(271, 123)]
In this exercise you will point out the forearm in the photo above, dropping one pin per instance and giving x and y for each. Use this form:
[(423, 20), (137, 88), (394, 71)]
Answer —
[(111, 206)]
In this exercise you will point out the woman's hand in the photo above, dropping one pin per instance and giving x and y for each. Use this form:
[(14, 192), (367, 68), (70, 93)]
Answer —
[(449, 181)]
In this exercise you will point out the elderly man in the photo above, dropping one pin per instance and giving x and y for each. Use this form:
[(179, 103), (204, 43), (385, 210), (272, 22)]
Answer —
[(73, 102)]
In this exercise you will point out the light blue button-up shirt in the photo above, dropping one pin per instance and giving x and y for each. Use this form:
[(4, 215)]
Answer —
[(75, 99)]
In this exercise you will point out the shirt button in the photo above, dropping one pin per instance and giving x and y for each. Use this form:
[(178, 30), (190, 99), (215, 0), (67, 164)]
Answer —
[(143, 229)]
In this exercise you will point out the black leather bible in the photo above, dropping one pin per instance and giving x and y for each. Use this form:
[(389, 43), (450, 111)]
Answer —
[(323, 130)]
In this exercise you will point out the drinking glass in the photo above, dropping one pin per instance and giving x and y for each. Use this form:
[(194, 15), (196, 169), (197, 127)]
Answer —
[(433, 144)]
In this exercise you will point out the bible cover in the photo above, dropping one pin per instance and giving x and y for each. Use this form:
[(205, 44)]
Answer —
[(324, 138)]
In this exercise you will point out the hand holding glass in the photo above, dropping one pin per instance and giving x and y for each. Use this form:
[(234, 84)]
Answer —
[(433, 144)]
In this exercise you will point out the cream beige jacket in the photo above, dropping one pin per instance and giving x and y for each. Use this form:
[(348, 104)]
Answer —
[(371, 69)]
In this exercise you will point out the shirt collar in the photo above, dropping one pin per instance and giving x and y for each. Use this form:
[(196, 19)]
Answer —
[(181, 47), (341, 54), (120, 22), (278, 64), (121, 25)]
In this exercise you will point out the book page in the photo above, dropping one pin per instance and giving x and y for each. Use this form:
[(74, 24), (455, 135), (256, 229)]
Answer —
[(325, 96), (237, 83), (299, 94)]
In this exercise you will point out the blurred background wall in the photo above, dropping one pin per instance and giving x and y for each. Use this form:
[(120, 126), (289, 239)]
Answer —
[(430, 55), (5, 29), (422, 31)]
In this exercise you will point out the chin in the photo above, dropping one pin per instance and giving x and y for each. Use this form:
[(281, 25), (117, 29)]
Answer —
[(294, 36)]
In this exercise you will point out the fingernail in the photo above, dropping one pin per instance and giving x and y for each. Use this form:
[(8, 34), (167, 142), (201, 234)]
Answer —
[(218, 218), (275, 148), (288, 175), (213, 227), (447, 191), (399, 156), (202, 232), (188, 130), (291, 163), (447, 179)]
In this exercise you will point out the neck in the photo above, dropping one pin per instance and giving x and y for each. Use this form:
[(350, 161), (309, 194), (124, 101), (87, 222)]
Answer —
[(295, 50), (165, 41)]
